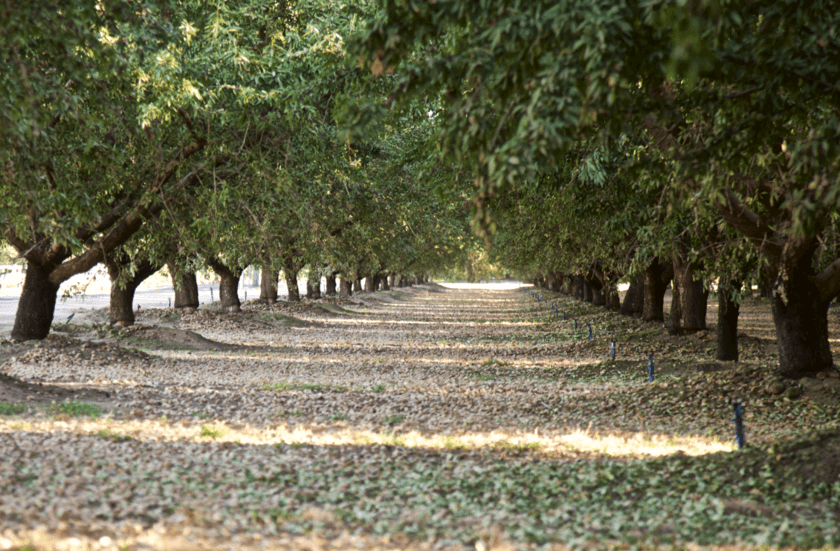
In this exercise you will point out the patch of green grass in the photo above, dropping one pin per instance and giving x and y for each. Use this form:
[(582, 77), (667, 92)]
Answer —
[(337, 417), (451, 444), (75, 409), (201, 415), (108, 435), (378, 388), (394, 419), (507, 446), (495, 362), (211, 431), (8, 408)]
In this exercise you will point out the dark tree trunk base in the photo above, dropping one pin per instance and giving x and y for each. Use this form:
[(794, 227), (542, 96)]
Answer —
[(228, 285), (346, 288), (801, 320), (331, 285), (654, 292), (36, 306), (634, 300), (122, 299), (186, 289), (727, 323)]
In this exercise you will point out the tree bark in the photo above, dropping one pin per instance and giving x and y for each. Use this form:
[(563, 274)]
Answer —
[(800, 315), (331, 285), (597, 289), (385, 285), (313, 285), (122, 291), (727, 322), (577, 287), (357, 286), (228, 285), (588, 291), (655, 284), (186, 288), (269, 277), (346, 287), (370, 283), (688, 307), (634, 299), (36, 306), (291, 276)]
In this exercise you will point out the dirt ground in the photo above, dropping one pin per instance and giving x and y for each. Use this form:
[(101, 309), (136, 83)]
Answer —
[(418, 418)]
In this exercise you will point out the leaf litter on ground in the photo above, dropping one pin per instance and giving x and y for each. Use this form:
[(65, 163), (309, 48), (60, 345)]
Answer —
[(467, 417)]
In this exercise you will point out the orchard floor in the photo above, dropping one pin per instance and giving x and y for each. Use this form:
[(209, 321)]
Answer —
[(468, 417)]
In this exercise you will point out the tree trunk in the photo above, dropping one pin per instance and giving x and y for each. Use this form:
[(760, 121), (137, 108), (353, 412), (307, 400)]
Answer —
[(392, 280), (385, 285), (269, 277), (727, 322), (370, 283), (122, 292), (654, 292), (688, 307), (291, 276), (597, 289), (346, 287), (577, 287), (611, 295), (186, 288), (331, 285), (634, 299), (801, 320), (357, 286), (313, 287), (36, 306), (588, 292), (228, 285)]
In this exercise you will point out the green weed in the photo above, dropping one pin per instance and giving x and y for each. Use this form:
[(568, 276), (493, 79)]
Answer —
[(8, 408), (211, 431)]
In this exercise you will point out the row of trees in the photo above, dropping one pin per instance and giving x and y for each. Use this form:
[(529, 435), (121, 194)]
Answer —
[(152, 133), (693, 142)]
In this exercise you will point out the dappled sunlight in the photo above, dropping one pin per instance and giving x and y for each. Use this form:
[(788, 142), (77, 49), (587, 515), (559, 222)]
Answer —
[(553, 444)]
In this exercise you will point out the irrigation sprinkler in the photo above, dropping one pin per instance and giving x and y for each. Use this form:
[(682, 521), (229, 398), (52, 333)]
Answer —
[(651, 373), (738, 419)]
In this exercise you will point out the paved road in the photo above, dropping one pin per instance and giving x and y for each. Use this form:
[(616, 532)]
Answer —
[(153, 297)]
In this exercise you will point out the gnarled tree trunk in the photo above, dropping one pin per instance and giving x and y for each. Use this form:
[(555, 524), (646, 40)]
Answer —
[(370, 283), (186, 287), (386, 286), (688, 306), (228, 285), (634, 300), (36, 306), (122, 289)]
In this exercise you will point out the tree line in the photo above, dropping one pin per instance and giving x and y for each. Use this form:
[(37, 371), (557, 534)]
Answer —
[(691, 143), (159, 133)]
